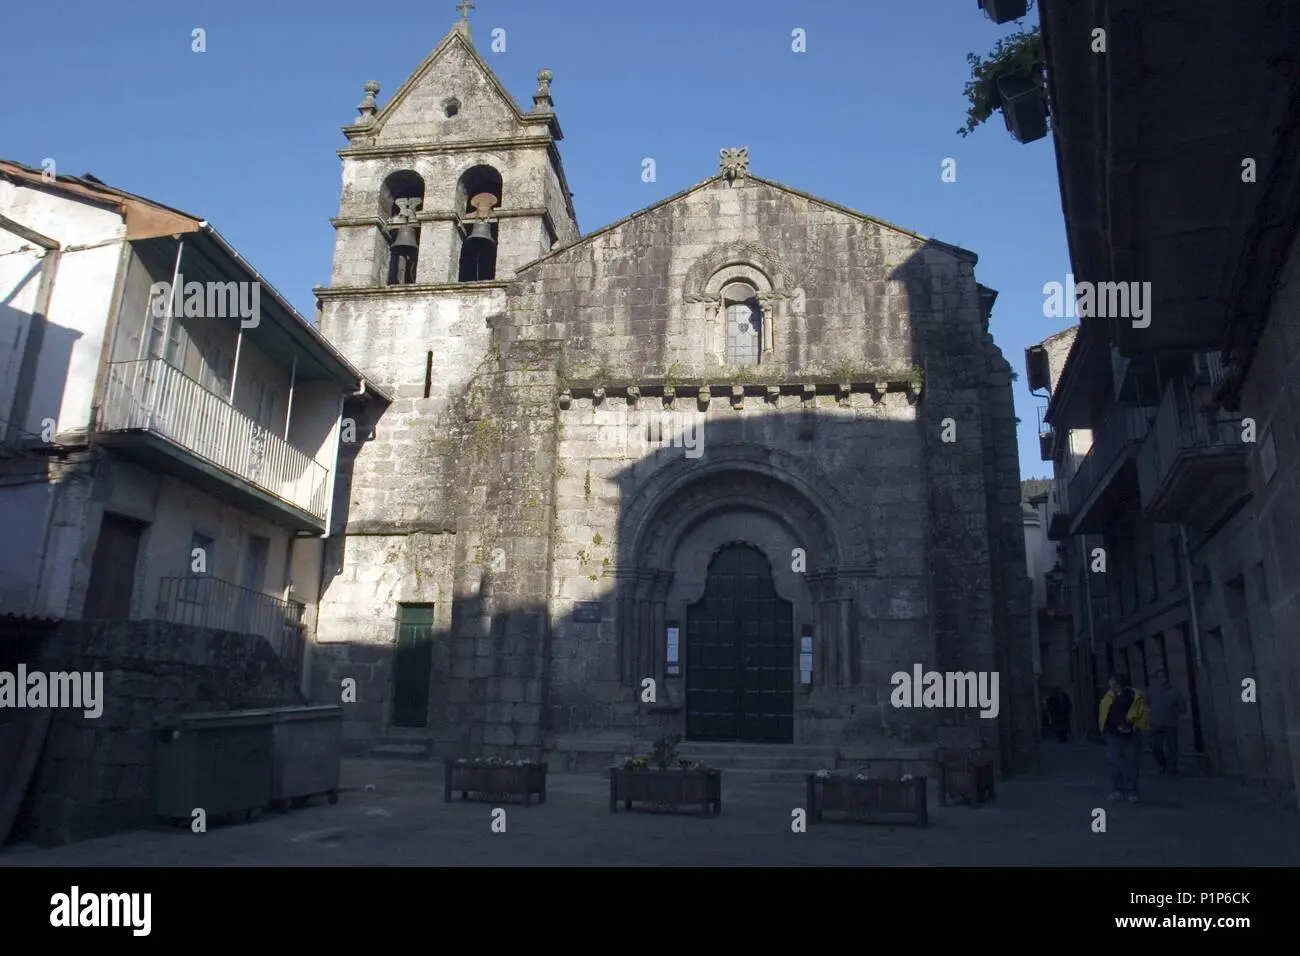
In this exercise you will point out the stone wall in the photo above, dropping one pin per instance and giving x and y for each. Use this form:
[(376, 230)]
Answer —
[(95, 775), (1271, 394)]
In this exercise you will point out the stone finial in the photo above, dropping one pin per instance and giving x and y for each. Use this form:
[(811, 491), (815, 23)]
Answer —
[(369, 106), (542, 102), (735, 163)]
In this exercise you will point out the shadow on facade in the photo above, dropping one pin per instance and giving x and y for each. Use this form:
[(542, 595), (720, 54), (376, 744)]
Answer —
[(885, 544)]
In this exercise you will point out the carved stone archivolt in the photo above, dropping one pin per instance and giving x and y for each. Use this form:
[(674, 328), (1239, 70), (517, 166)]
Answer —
[(744, 494), (706, 276)]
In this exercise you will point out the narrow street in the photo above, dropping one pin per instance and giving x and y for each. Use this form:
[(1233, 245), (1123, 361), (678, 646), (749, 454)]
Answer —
[(393, 813)]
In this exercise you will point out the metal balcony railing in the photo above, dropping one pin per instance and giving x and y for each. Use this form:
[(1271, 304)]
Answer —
[(1124, 425), (155, 397), (1180, 428), (200, 600)]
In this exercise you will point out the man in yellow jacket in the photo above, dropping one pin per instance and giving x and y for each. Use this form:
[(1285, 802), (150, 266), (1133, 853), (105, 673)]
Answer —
[(1124, 718)]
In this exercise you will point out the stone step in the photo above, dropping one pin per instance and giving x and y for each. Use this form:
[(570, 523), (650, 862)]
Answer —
[(404, 748), (745, 777), (747, 762), (702, 748), (777, 763)]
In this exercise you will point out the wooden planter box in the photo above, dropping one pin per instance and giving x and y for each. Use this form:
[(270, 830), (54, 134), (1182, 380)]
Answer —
[(667, 789), (971, 784), (495, 783), (868, 801)]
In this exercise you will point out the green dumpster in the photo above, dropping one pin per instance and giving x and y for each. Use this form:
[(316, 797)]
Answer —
[(219, 763), (308, 743)]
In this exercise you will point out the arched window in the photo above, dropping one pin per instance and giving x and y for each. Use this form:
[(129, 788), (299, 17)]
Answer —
[(478, 196), (400, 199), (744, 324)]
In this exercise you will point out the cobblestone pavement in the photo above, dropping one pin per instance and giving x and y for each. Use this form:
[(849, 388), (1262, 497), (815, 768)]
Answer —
[(393, 814)]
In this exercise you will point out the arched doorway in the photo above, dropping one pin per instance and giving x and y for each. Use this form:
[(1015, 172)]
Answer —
[(740, 654)]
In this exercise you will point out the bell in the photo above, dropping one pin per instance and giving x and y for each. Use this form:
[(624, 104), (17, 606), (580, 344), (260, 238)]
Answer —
[(405, 238), (481, 231)]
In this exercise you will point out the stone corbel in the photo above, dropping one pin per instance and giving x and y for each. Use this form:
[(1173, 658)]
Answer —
[(842, 392), (773, 394), (597, 396), (737, 397), (566, 399), (704, 398), (633, 395), (670, 396), (809, 395)]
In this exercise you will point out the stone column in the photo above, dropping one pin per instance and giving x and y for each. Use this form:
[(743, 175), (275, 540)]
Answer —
[(626, 633), (645, 627), (439, 249), (847, 658)]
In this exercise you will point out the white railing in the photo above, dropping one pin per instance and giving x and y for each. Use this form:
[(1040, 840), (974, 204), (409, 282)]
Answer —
[(155, 397)]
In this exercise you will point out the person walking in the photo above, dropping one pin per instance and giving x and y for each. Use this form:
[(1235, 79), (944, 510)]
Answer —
[(1167, 704), (1063, 705), (1123, 718), (1052, 715)]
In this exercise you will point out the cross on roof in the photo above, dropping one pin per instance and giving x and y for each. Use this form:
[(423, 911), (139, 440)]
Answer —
[(465, 6)]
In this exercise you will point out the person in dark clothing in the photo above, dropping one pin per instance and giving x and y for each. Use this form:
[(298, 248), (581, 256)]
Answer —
[(1063, 705), (1167, 707), (1123, 718), (1052, 715)]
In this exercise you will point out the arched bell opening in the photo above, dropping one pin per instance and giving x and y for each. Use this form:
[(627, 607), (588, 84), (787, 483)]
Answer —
[(400, 199), (479, 194)]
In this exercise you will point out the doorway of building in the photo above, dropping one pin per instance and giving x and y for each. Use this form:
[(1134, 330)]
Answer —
[(740, 654)]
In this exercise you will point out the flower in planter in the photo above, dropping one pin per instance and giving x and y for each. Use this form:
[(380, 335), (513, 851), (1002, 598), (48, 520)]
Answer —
[(906, 776), (462, 761), (695, 766), (636, 763), (861, 776), (664, 752), (1018, 55), (823, 774)]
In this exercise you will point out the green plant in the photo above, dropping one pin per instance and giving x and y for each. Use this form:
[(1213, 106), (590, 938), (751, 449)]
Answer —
[(664, 753), (844, 372), (1020, 54)]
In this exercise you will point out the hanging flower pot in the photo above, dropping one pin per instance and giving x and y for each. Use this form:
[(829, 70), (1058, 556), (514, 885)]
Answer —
[(1004, 11), (1018, 58), (1024, 106)]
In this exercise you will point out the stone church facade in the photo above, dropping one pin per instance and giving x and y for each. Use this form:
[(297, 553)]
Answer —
[(720, 468)]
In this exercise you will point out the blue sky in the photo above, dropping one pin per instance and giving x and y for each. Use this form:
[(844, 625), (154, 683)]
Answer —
[(245, 134)]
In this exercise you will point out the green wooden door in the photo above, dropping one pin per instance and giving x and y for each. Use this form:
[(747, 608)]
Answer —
[(740, 654), (412, 665)]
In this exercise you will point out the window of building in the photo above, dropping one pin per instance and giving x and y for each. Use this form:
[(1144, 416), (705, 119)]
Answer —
[(744, 323)]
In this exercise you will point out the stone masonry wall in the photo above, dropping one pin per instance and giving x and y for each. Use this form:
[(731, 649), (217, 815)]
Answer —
[(1018, 725), (1271, 394), (95, 775)]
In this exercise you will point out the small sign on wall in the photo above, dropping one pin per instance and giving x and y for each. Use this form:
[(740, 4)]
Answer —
[(587, 612), (674, 651), (805, 660)]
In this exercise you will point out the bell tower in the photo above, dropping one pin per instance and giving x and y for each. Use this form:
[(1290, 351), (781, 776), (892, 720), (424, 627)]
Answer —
[(448, 189), (450, 181)]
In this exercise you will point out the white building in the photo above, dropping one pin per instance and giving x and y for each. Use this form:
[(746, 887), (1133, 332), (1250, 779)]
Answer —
[(170, 425)]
